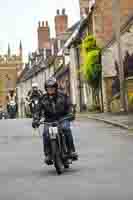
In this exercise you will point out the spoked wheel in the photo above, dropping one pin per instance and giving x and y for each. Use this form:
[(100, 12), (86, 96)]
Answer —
[(57, 158), (58, 164)]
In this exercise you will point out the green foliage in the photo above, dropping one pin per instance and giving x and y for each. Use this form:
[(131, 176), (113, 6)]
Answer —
[(91, 67), (89, 43)]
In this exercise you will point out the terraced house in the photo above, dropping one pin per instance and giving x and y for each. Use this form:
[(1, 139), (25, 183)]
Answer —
[(47, 60)]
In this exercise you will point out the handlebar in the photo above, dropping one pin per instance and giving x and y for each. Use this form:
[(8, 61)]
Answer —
[(55, 122), (31, 101)]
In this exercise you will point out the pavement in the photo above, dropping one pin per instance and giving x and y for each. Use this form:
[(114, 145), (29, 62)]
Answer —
[(124, 121), (104, 170)]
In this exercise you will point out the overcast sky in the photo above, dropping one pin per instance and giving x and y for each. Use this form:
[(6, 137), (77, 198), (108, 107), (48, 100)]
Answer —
[(19, 20)]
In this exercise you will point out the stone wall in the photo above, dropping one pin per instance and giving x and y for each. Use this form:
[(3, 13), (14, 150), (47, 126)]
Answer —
[(110, 57), (129, 85)]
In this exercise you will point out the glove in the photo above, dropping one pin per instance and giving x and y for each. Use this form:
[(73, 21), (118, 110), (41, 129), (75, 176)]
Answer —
[(35, 124)]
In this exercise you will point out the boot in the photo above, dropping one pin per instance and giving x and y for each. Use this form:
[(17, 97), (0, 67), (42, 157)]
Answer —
[(73, 155), (47, 154), (71, 151), (48, 160)]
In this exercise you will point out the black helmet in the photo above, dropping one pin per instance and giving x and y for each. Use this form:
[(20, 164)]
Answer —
[(51, 82)]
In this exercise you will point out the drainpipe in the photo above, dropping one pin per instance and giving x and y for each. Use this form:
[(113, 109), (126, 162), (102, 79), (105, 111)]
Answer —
[(79, 79)]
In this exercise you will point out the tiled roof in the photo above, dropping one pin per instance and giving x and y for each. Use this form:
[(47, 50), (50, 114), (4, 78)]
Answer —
[(61, 71), (36, 68), (42, 64)]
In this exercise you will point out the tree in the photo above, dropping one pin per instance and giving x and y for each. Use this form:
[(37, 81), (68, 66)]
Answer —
[(92, 67)]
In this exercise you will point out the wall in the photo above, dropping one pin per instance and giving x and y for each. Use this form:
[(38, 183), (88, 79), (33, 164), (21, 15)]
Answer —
[(109, 57), (8, 76), (25, 86), (103, 21), (43, 35), (129, 86)]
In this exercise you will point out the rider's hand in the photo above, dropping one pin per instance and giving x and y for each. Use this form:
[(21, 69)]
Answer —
[(35, 124)]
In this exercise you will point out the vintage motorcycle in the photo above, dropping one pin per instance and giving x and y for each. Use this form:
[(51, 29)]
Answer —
[(3, 115), (12, 109), (58, 146), (32, 106)]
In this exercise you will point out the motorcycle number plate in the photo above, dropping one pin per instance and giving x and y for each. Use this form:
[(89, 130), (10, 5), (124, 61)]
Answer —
[(53, 132)]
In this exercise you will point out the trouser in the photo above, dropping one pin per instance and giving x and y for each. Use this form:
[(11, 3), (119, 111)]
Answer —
[(68, 134)]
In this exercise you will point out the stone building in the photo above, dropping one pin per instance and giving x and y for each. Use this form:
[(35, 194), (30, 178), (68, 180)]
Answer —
[(103, 27), (110, 63), (11, 67), (80, 93), (103, 24), (38, 69), (85, 6)]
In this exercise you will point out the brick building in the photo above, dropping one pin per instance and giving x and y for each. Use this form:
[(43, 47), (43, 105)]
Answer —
[(103, 18), (85, 6), (10, 69), (103, 24)]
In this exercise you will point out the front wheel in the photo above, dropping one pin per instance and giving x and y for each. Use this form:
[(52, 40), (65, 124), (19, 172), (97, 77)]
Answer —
[(56, 157)]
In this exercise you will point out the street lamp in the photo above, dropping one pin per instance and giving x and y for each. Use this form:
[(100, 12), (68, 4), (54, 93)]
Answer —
[(117, 25)]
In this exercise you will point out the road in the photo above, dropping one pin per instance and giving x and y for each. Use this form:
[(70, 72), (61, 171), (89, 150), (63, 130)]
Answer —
[(103, 172)]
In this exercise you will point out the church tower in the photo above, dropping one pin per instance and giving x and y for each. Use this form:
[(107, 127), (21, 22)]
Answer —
[(11, 66)]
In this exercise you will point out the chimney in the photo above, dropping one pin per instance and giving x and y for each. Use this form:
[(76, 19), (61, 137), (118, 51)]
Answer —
[(61, 22), (46, 23), (63, 11), (43, 35), (84, 7), (42, 23), (39, 24), (58, 12)]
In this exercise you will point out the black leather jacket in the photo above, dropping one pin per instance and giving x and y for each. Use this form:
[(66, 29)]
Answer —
[(56, 107)]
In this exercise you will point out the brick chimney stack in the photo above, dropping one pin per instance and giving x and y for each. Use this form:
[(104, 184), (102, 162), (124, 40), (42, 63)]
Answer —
[(84, 7), (61, 22), (43, 35)]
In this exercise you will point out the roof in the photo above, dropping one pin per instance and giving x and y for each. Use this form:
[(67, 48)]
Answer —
[(36, 68), (61, 71), (41, 65), (75, 34), (73, 27)]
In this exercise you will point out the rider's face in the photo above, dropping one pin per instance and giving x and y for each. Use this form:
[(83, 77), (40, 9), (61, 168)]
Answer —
[(51, 91), (35, 88)]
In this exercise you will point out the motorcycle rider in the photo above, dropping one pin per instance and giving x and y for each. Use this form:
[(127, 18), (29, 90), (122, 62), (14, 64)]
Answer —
[(55, 105), (11, 97), (34, 92), (1, 109)]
